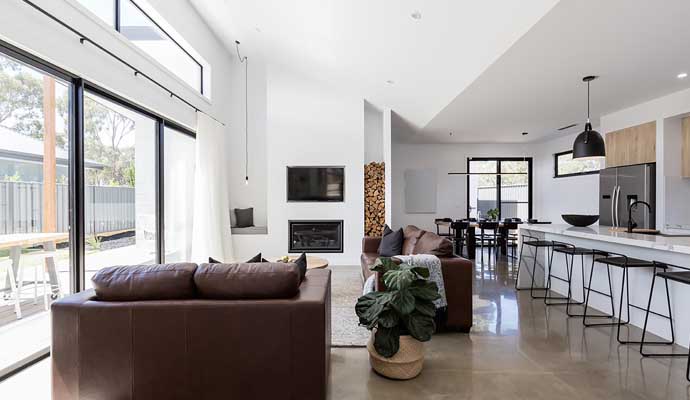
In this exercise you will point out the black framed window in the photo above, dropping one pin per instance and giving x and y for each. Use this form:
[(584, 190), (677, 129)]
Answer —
[(103, 194), (502, 185), (565, 166), (130, 19)]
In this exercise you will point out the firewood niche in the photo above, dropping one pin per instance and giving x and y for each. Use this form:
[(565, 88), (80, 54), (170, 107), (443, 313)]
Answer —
[(374, 198)]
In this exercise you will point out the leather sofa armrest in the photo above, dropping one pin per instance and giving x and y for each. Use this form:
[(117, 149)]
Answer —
[(65, 357), (457, 277), (370, 244)]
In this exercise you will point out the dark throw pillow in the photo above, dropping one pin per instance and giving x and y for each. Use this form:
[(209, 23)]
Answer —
[(257, 259), (212, 260), (391, 242), (301, 262), (244, 217)]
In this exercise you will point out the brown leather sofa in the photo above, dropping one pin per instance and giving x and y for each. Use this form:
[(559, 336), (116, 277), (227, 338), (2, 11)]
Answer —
[(457, 272), (182, 331)]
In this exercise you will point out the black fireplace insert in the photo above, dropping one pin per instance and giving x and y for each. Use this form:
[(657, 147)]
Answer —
[(315, 236)]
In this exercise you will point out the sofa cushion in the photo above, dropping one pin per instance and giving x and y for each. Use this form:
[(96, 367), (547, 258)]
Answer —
[(145, 282), (301, 263), (247, 281), (256, 259), (411, 234), (431, 243), (391, 242)]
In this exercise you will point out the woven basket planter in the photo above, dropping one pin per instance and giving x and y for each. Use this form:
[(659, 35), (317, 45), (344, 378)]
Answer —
[(407, 363)]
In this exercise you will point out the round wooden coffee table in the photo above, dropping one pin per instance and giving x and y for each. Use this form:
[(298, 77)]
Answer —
[(313, 262)]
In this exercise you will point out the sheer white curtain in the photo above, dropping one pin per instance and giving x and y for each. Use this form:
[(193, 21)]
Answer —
[(211, 233)]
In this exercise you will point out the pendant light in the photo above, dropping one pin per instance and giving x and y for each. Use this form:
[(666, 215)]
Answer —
[(589, 143), (244, 60)]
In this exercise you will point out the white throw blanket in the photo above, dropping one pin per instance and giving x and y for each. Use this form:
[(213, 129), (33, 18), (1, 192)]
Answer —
[(432, 263)]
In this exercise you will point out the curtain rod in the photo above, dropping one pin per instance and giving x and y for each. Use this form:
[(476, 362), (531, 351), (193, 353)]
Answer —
[(83, 38)]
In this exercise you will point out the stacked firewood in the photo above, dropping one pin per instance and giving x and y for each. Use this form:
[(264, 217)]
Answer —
[(374, 198)]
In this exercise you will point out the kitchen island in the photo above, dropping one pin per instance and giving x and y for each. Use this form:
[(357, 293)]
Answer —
[(668, 249)]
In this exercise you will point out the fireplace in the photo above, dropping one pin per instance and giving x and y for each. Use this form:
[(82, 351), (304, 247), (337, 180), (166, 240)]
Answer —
[(315, 236)]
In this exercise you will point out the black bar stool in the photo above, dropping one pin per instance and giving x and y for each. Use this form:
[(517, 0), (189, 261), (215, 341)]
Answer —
[(675, 276), (624, 262), (537, 244), (566, 249), (511, 238)]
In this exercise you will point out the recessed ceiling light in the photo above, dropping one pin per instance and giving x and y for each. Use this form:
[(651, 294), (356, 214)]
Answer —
[(390, 82), (682, 75), (416, 15)]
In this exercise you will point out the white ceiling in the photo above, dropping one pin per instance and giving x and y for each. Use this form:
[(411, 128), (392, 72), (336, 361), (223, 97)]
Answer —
[(637, 47), (362, 44), (484, 70)]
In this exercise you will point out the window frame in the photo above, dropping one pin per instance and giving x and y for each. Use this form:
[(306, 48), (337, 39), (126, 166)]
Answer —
[(556, 175), (78, 86), (530, 181), (117, 19)]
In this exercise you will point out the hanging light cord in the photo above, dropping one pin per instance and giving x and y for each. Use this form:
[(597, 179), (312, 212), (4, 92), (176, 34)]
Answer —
[(587, 101), (244, 60)]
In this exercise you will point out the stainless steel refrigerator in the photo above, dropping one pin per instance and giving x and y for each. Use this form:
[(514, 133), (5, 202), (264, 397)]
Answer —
[(619, 187)]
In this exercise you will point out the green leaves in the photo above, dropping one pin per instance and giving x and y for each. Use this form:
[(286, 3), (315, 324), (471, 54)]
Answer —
[(387, 341), (403, 302), (405, 307), (384, 264), (420, 326), (425, 290), (399, 279)]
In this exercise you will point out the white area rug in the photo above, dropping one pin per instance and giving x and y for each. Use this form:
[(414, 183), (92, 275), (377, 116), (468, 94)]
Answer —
[(346, 287)]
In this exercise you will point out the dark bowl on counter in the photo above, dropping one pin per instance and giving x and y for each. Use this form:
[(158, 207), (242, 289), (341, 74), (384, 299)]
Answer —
[(580, 220)]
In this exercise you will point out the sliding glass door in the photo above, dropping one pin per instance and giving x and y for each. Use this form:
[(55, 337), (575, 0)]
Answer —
[(179, 164), (500, 184), (81, 188), (35, 266), (120, 186)]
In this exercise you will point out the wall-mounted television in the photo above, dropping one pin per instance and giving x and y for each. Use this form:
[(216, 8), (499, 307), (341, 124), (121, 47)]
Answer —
[(316, 184)]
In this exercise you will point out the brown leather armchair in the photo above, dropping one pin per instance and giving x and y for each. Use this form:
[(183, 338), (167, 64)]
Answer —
[(194, 347), (457, 277)]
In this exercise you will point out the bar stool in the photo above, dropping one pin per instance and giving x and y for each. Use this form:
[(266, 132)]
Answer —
[(566, 249), (682, 277), (624, 262), (537, 244)]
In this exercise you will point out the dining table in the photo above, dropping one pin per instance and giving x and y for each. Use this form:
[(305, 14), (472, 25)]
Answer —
[(471, 236), (17, 241)]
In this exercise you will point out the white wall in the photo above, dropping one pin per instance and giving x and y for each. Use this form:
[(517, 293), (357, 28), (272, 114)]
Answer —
[(451, 189), (253, 194), (672, 191), (551, 196), (310, 123), (373, 133), (566, 195)]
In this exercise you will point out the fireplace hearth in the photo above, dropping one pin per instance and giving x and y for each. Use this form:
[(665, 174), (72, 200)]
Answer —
[(315, 236)]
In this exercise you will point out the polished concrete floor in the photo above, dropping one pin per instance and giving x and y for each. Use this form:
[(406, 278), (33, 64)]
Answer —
[(518, 349)]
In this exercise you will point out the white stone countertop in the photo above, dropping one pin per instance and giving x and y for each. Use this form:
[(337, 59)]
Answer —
[(603, 233)]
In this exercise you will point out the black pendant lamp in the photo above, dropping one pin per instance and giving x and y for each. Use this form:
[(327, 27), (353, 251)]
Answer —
[(589, 143)]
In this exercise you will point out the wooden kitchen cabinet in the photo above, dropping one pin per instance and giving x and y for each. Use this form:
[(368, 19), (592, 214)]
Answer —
[(630, 146), (685, 157)]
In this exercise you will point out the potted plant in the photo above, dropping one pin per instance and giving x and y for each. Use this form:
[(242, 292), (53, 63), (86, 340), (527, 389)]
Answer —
[(400, 317), (493, 214)]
